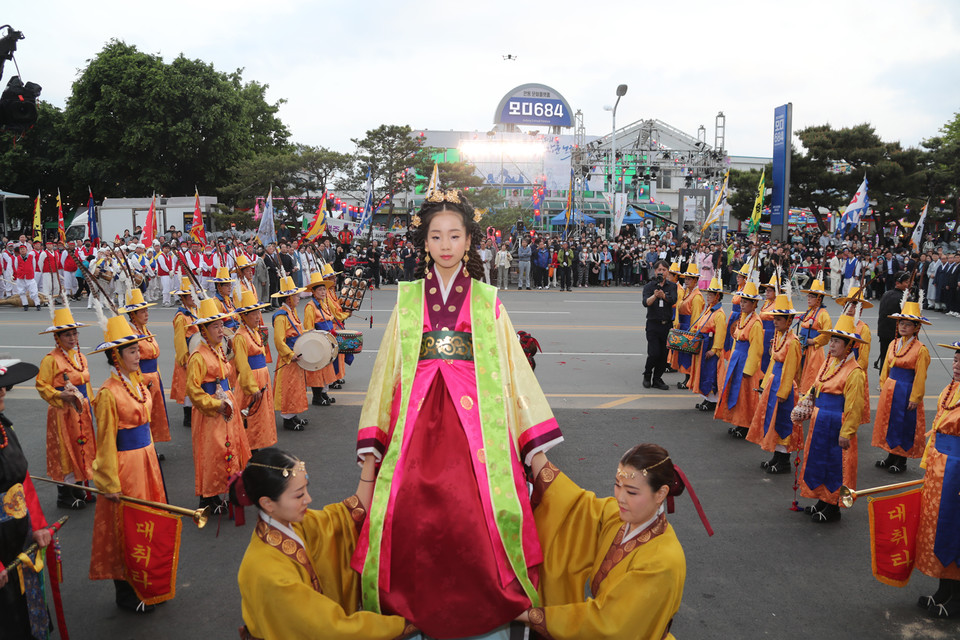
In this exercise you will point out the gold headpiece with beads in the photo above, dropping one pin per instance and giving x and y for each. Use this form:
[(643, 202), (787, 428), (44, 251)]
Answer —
[(623, 475), (439, 195), (298, 467)]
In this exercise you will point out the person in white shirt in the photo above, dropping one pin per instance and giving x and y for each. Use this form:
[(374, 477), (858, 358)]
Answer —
[(503, 261), (836, 275), (7, 285), (486, 256)]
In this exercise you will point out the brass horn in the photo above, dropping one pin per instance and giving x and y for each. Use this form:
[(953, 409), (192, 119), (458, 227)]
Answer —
[(848, 496), (199, 516)]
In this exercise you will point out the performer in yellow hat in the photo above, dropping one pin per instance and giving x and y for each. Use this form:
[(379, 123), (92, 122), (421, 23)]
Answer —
[(938, 554), (830, 450), (222, 283), (289, 385), (900, 424), (690, 307), (183, 329), (126, 460), (738, 399), (769, 292), (220, 447), (772, 427), (340, 316), (742, 275), (316, 316), (711, 326), (673, 275), (254, 390), (137, 309), (813, 341), (64, 383)]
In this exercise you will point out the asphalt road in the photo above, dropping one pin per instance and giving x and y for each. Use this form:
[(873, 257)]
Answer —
[(768, 571)]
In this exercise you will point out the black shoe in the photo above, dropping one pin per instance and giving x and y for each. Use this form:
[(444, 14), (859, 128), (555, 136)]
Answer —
[(38, 307), (886, 462), (161, 457), (814, 508), (336, 385), (660, 384), (528, 288), (341, 382), (291, 424), (706, 405), (187, 416), (67, 498), (327, 398), (829, 513), (26, 308), (647, 382), (779, 464), (738, 432), (944, 590), (898, 466), (127, 598), (671, 370)]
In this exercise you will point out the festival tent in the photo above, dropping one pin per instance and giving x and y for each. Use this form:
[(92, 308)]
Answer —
[(578, 217), (631, 217)]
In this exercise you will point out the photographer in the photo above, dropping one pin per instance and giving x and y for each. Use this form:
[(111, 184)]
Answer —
[(660, 298)]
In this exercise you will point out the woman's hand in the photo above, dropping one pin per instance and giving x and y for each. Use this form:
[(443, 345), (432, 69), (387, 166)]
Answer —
[(911, 406), (113, 497), (43, 537), (3, 578), (538, 463), (844, 443)]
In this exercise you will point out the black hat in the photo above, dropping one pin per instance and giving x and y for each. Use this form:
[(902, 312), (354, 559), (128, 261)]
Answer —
[(903, 276), (14, 372)]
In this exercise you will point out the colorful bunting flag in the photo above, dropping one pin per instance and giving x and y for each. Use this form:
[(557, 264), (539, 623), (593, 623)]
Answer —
[(61, 231), (758, 205), (197, 232)]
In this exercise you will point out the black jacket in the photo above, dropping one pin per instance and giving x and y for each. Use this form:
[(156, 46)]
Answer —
[(889, 303), (662, 310)]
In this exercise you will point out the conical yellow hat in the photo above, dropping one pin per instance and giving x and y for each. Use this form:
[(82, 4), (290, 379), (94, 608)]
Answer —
[(248, 302), (744, 270), (185, 287), (911, 311), (693, 271), (118, 333), (287, 288), (782, 306), (63, 321), (715, 286), (328, 271), (750, 291), (845, 329), (223, 276), (209, 311), (675, 268), (242, 262), (135, 302), (854, 296)]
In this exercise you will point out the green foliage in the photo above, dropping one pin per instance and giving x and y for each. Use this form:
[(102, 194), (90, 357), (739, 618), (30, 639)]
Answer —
[(388, 151), (504, 219), (456, 175), (743, 191)]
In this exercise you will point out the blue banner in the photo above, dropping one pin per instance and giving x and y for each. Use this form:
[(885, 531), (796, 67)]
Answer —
[(781, 163)]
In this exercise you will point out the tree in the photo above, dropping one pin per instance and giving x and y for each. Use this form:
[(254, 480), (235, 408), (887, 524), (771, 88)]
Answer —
[(388, 151), (942, 170), (457, 175), (743, 191), (136, 124)]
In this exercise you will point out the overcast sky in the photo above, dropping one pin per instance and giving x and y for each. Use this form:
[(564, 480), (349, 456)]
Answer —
[(346, 67)]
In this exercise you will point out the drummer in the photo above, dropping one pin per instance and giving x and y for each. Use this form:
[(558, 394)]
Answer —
[(183, 329), (689, 308), (289, 386), (673, 275), (340, 316), (711, 326), (254, 391), (136, 307), (220, 447), (738, 399), (317, 316)]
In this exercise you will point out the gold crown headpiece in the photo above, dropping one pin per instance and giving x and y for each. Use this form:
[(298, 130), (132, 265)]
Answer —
[(439, 195), (623, 475), (298, 467)]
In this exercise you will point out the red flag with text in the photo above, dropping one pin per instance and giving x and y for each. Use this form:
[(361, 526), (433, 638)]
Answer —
[(893, 536), (151, 551)]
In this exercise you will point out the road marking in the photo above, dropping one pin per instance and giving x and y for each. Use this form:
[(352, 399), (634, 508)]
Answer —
[(556, 313), (617, 403)]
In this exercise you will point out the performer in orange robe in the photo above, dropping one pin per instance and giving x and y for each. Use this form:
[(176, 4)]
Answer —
[(126, 461), (289, 386), (244, 269), (711, 325), (688, 308), (183, 329), (772, 427), (674, 274), (901, 423), (728, 341), (340, 316), (769, 293), (738, 396), (853, 305), (220, 447), (136, 307), (830, 451), (814, 321), (938, 552), (316, 316), (254, 391), (64, 383)]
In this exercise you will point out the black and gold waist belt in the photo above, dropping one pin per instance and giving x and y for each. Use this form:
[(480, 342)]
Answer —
[(446, 345)]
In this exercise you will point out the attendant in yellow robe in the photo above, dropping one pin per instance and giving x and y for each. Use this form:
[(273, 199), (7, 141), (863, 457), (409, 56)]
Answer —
[(813, 341), (136, 308), (254, 390), (612, 567), (339, 315), (220, 447), (244, 269), (673, 275), (830, 451), (126, 462), (738, 396), (289, 384), (689, 308), (711, 326), (853, 305), (772, 427), (316, 316), (183, 330), (64, 383), (295, 578)]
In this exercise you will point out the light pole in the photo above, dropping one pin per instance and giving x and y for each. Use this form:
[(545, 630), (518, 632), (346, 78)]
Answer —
[(621, 91)]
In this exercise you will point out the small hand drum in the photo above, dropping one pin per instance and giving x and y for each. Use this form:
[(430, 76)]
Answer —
[(316, 349), (350, 341)]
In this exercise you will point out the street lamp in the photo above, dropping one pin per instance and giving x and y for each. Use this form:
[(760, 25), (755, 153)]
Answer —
[(621, 91)]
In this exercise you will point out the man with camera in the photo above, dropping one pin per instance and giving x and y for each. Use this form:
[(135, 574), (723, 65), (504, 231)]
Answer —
[(660, 298)]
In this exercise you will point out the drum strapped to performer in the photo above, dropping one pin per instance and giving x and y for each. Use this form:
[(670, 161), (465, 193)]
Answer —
[(686, 341), (315, 350), (349, 341)]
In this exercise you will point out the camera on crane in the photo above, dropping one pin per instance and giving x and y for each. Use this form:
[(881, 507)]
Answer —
[(18, 102)]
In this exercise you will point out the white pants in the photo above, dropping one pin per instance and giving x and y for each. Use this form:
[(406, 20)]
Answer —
[(834, 285), (8, 285), (166, 286), (847, 283), (25, 287), (486, 272), (69, 282)]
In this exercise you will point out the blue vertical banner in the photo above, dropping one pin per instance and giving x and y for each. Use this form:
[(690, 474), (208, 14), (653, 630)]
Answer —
[(782, 135)]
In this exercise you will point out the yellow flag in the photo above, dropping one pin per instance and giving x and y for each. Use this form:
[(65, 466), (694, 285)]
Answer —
[(37, 227), (434, 180), (758, 205), (716, 211)]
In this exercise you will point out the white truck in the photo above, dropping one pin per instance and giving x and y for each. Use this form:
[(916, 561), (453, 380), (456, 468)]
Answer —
[(117, 215)]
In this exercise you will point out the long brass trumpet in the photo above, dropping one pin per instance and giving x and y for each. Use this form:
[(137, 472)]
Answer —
[(848, 495), (199, 516)]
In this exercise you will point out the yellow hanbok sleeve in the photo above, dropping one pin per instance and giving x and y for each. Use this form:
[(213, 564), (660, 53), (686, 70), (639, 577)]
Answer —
[(280, 325), (852, 403), (823, 324), (864, 359), (46, 382), (196, 372), (719, 331), (790, 372), (245, 378), (755, 351), (106, 466), (181, 352), (697, 305), (887, 359), (920, 378), (383, 383)]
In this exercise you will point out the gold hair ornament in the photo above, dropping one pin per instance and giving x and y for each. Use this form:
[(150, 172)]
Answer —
[(450, 195), (415, 220), (623, 475), (298, 467)]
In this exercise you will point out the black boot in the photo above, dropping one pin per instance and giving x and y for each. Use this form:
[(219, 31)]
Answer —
[(829, 513), (899, 465), (944, 591), (950, 607), (738, 432), (127, 598), (327, 399), (317, 396), (70, 498), (647, 380), (291, 424), (886, 462), (187, 416)]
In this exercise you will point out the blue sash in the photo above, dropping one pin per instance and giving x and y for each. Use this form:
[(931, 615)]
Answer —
[(258, 361), (148, 365), (323, 325), (82, 389), (731, 323), (211, 387), (683, 358), (825, 458), (902, 427), (768, 331), (136, 438), (778, 411), (708, 366), (947, 544), (292, 339), (731, 383), (850, 268)]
